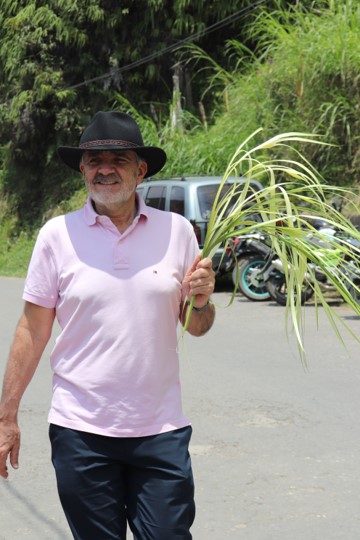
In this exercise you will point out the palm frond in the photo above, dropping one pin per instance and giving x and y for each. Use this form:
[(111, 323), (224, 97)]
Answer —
[(294, 192)]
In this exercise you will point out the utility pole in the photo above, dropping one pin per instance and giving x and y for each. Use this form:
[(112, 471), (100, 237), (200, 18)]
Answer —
[(176, 110)]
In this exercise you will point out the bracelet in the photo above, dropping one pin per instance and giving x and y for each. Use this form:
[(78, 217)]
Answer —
[(200, 309)]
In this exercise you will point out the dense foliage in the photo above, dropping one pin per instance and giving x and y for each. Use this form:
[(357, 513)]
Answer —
[(61, 60), (303, 76), (280, 65)]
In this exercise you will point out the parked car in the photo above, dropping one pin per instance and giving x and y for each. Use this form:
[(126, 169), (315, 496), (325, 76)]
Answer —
[(192, 197)]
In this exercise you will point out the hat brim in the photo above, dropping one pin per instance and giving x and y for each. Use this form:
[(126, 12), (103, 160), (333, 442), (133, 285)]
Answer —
[(155, 157)]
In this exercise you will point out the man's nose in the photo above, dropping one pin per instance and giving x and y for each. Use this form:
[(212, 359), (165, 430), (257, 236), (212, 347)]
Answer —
[(106, 168)]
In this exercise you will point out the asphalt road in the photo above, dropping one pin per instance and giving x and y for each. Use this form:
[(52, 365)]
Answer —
[(275, 446)]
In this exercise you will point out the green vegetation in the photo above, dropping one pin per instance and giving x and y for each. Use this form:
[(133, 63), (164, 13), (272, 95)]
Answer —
[(285, 208), (292, 70), (61, 61), (304, 77)]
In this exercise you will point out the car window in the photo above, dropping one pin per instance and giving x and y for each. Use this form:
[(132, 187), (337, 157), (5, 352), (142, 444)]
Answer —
[(177, 200), (207, 194), (206, 197), (156, 197)]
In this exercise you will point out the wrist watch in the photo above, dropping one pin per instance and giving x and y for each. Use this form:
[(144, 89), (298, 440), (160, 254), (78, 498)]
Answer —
[(203, 308)]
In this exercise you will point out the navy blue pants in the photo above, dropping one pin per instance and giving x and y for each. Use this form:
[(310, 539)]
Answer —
[(106, 482)]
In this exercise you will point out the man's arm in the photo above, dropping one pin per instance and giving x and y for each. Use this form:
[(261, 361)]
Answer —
[(32, 334), (199, 282)]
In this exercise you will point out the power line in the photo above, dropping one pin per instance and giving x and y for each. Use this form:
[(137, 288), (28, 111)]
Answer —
[(216, 26)]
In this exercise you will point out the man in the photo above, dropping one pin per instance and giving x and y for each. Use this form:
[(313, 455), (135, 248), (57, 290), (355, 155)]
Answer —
[(117, 275)]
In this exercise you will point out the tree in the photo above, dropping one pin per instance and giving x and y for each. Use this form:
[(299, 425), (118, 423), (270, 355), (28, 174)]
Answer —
[(61, 60)]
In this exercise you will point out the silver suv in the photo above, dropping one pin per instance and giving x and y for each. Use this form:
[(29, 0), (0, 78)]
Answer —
[(192, 197)]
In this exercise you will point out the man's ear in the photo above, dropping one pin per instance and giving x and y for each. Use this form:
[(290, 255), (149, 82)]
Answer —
[(142, 171)]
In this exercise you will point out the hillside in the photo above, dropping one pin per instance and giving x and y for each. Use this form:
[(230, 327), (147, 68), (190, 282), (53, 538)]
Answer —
[(304, 77)]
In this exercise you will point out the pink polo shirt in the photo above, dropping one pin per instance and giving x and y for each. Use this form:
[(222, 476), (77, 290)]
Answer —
[(117, 297)]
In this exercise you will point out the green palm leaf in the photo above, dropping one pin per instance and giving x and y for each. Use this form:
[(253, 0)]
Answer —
[(294, 192)]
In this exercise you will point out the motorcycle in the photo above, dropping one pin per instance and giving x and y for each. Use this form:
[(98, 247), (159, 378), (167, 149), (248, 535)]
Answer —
[(246, 256), (259, 275), (347, 267), (274, 278), (258, 271)]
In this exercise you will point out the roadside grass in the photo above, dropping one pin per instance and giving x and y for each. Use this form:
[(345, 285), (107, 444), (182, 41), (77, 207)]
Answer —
[(15, 255), (15, 250)]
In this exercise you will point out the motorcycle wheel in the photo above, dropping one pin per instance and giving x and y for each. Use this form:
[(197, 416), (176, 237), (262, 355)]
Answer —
[(248, 284), (276, 286), (355, 294)]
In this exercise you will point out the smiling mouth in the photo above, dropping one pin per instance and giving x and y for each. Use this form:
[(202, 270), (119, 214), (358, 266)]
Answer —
[(101, 182), (106, 180)]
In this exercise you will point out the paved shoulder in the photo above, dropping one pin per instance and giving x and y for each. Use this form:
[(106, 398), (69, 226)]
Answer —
[(30, 509)]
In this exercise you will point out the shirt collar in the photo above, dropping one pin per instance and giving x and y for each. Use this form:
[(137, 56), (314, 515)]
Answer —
[(91, 217)]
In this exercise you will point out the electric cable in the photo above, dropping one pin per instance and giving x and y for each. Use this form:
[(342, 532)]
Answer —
[(216, 26)]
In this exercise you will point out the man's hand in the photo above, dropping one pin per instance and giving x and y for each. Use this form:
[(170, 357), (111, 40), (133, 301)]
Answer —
[(32, 334), (9, 446), (199, 281)]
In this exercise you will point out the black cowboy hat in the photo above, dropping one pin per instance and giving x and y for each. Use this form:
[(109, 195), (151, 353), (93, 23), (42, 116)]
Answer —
[(113, 131)]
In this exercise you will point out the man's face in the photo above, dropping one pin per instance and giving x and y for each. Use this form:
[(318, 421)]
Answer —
[(111, 176)]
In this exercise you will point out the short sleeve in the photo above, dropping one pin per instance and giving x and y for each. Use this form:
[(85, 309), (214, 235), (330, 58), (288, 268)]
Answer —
[(41, 284)]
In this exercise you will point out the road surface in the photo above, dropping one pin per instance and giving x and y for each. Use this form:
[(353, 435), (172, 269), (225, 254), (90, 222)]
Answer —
[(275, 446)]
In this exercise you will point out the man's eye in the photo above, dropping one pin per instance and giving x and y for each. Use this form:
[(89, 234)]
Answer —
[(116, 161)]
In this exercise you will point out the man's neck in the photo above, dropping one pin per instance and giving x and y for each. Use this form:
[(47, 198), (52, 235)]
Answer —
[(121, 215)]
